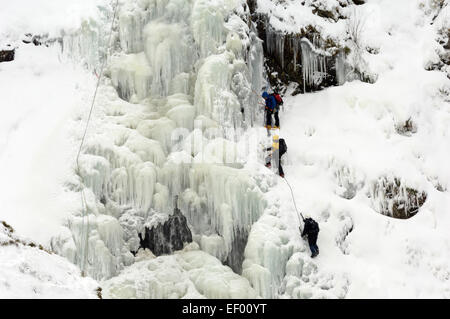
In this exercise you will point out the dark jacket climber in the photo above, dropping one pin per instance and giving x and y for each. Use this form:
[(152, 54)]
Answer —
[(311, 229), (278, 149), (271, 108)]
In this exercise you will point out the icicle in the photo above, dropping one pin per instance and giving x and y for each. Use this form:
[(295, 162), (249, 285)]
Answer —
[(313, 64), (295, 46), (275, 44), (340, 68)]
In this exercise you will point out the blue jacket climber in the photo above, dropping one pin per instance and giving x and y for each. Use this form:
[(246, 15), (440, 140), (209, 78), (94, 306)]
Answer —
[(271, 102), (271, 108)]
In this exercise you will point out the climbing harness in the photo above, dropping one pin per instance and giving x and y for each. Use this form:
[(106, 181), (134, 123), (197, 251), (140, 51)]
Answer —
[(85, 229)]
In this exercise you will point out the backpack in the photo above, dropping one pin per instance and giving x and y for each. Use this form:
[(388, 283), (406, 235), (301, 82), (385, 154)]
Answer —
[(283, 146), (278, 98), (313, 226)]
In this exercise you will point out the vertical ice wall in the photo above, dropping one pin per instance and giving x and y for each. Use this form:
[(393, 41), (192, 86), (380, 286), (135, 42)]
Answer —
[(186, 67)]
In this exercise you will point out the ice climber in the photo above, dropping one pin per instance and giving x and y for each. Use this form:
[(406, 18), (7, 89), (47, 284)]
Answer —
[(311, 230), (271, 108), (277, 150)]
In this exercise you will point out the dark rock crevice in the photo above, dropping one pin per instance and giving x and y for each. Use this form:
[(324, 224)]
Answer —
[(406, 128), (168, 237), (8, 54), (236, 257)]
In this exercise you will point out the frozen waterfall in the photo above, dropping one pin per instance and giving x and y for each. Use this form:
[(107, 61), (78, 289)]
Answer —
[(179, 82)]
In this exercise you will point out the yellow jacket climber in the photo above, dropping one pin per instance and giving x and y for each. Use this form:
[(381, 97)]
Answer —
[(276, 153)]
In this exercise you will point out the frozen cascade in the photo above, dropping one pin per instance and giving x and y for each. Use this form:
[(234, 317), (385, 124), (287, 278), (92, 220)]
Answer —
[(183, 74), (188, 274)]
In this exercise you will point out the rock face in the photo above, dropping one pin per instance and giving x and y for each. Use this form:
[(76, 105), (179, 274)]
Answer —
[(38, 39), (7, 55), (168, 237)]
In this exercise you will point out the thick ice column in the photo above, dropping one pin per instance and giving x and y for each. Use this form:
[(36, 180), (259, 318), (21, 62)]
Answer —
[(221, 200), (267, 251), (256, 61), (132, 19), (96, 244), (169, 51), (95, 171), (313, 64), (213, 96)]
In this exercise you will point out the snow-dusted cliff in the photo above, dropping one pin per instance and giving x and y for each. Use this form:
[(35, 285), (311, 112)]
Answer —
[(30, 271)]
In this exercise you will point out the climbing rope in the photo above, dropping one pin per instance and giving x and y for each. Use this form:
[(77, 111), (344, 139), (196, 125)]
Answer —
[(293, 199), (83, 197), (299, 214)]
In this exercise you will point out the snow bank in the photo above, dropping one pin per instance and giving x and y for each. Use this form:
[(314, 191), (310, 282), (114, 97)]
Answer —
[(37, 151), (29, 272)]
